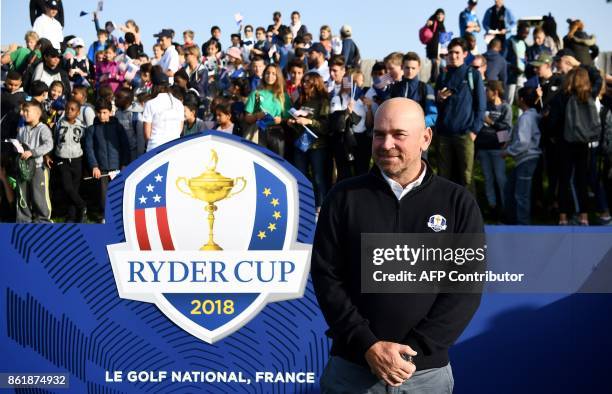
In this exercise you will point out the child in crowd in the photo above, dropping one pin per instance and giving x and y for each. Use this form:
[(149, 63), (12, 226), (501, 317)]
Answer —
[(10, 104), (107, 148), (33, 203), (129, 114), (142, 82), (68, 160), (108, 73), (20, 57), (188, 36), (106, 93), (223, 114), (192, 123), (78, 67), (86, 114), (525, 149), (490, 141), (54, 104), (98, 46)]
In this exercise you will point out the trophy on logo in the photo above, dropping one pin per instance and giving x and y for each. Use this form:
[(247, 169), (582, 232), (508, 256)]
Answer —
[(210, 187)]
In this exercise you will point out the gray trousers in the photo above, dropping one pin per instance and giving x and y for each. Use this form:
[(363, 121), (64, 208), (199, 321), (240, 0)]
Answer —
[(341, 376), (33, 201)]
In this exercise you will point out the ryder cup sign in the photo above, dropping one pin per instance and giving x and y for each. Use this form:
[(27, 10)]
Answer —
[(215, 228)]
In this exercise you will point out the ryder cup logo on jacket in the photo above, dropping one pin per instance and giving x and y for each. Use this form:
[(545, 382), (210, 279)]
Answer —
[(215, 227), (437, 223)]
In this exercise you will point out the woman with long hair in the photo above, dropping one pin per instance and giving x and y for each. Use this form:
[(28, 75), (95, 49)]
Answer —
[(432, 49), (267, 107), (580, 43), (311, 155), (578, 125), (325, 38)]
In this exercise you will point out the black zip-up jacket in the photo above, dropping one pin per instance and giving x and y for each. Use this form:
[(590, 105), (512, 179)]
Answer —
[(428, 323)]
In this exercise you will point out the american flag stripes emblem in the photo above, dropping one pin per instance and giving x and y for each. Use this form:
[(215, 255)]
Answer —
[(150, 214)]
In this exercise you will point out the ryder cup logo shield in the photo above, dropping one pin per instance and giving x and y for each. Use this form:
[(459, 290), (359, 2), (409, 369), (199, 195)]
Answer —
[(437, 223), (215, 228)]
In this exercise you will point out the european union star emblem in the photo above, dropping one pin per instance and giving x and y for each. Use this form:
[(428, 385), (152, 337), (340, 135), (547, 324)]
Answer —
[(271, 212)]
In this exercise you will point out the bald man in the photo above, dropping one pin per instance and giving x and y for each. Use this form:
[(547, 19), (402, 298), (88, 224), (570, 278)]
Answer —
[(390, 342)]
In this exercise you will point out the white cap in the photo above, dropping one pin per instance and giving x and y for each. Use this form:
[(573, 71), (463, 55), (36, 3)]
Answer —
[(346, 30), (76, 42)]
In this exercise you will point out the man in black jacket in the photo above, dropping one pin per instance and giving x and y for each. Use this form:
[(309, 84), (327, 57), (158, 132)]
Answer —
[(375, 335)]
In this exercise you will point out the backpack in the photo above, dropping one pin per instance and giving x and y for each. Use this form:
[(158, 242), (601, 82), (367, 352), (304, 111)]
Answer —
[(426, 33), (582, 123)]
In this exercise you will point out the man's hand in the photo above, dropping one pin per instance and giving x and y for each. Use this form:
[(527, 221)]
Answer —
[(386, 361), (278, 120), (96, 173), (444, 94), (48, 161), (26, 155), (472, 136)]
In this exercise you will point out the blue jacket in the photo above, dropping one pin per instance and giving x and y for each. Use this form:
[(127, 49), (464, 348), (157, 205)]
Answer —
[(410, 88), (464, 110), (93, 48), (465, 17), (106, 145), (350, 51), (525, 144), (497, 67)]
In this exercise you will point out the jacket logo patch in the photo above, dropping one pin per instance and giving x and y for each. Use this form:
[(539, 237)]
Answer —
[(437, 223)]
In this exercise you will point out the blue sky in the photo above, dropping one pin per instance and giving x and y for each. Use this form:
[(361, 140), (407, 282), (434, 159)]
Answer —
[(378, 27)]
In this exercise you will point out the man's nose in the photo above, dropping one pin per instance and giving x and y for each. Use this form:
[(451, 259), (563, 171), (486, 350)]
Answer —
[(388, 142)]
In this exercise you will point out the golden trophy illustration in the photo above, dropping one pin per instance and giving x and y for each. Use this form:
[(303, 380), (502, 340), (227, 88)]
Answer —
[(210, 187)]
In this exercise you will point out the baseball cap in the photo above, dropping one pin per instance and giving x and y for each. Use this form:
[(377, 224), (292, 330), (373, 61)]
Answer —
[(51, 52), (564, 52), (317, 47), (346, 30), (544, 58), (472, 1), (164, 33), (54, 4), (234, 52), (76, 42)]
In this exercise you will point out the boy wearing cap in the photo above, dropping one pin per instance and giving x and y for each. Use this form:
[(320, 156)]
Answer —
[(350, 52), (46, 26), (33, 202), (48, 70), (78, 65), (170, 59)]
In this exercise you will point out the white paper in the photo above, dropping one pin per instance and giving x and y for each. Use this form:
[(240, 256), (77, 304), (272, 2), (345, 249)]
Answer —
[(503, 136), (17, 145)]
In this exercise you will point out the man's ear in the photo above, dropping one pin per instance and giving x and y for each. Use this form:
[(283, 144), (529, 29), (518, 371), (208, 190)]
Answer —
[(427, 136)]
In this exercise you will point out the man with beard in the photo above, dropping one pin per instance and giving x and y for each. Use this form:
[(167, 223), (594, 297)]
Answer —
[(317, 62), (387, 342)]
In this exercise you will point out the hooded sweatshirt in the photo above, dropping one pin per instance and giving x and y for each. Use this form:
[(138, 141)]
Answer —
[(38, 139)]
